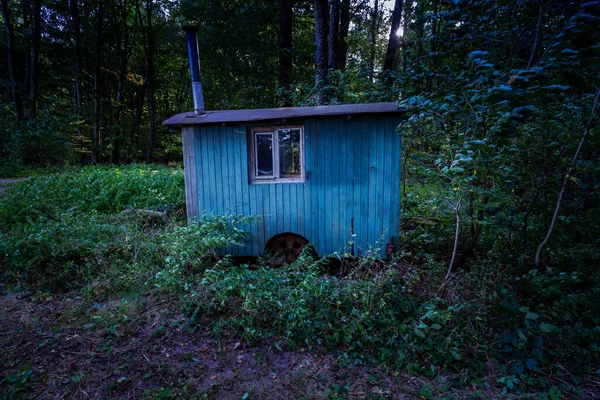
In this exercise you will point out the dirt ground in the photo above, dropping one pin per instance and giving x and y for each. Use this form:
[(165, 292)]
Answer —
[(73, 348)]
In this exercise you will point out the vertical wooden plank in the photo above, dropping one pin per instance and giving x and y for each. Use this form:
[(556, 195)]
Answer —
[(373, 232), (332, 178), (233, 177), (364, 195), (272, 194), (210, 170), (235, 172), (348, 194), (304, 198), (202, 170), (200, 144), (190, 171), (216, 188), (242, 182), (262, 209), (324, 196), (325, 187), (206, 170), (351, 179), (345, 182), (252, 207), (316, 187), (337, 185), (388, 178), (266, 214), (294, 211), (356, 144), (379, 237), (225, 172), (397, 179), (334, 185), (282, 208)]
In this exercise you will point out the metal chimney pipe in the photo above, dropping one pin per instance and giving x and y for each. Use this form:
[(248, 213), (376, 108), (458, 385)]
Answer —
[(191, 37)]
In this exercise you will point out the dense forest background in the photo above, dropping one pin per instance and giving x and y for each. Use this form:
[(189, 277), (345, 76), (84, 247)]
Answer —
[(502, 94), (494, 284), (91, 81)]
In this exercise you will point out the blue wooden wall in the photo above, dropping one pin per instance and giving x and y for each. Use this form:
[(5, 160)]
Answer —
[(353, 171)]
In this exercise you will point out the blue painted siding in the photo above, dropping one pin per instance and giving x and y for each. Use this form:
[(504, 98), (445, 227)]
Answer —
[(353, 184)]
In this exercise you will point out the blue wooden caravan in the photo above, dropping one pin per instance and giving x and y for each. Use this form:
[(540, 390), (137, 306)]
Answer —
[(327, 174)]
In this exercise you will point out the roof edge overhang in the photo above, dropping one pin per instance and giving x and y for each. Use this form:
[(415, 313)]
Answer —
[(264, 114)]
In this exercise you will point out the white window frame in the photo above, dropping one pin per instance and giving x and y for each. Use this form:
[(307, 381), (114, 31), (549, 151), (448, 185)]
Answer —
[(253, 156)]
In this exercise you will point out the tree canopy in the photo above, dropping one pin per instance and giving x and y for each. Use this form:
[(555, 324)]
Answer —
[(501, 93)]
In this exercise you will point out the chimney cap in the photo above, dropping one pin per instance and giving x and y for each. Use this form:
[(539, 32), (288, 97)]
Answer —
[(191, 28)]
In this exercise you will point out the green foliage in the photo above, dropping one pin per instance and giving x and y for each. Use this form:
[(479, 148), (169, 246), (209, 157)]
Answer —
[(516, 327), (498, 92), (500, 134), (78, 229), (192, 248), (394, 318), (104, 190), (42, 141), (17, 385)]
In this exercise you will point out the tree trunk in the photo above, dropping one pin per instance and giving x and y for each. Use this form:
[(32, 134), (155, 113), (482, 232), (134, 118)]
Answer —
[(334, 32), (132, 144), (321, 53), (394, 39), (152, 116), (151, 96), (420, 20), (566, 181), (116, 138), (25, 6), (35, 57), (469, 250), (405, 43), (373, 38), (96, 149), (432, 47), (77, 90), (342, 41), (10, 44), (285, 49), (149, 49)]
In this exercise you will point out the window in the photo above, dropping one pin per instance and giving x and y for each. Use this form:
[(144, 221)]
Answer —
[(277, 154)]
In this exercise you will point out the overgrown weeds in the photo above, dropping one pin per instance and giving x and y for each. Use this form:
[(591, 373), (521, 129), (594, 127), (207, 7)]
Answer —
[(497, 323), (71, 231)]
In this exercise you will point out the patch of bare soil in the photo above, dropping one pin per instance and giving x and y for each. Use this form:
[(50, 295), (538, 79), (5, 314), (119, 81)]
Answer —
[(74, 348)]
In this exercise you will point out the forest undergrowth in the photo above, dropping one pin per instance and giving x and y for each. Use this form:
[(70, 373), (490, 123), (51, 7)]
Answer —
[(102, 278)]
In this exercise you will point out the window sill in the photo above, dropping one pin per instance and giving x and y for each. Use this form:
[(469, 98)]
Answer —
[(274, 181)]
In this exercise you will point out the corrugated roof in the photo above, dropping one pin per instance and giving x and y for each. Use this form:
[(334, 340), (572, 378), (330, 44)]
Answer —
[(261, 114)]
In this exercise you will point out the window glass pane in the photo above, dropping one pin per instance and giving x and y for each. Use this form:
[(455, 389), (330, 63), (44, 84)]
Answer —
[(289, 152), (264, 154)]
